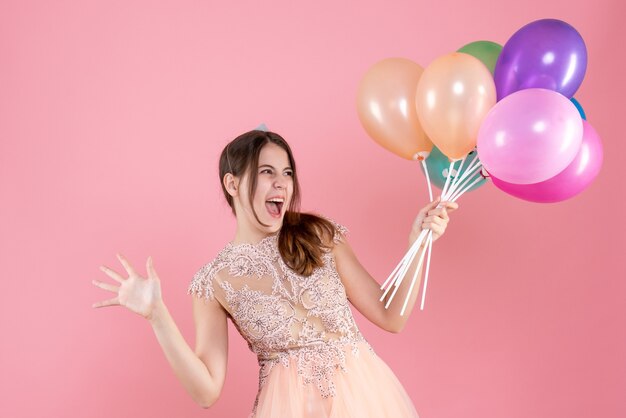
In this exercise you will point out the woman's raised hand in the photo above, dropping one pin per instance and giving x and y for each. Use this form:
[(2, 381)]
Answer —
[(138, 294), (433, 218)]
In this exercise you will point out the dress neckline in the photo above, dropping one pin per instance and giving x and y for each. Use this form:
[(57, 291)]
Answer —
[(268, 238)]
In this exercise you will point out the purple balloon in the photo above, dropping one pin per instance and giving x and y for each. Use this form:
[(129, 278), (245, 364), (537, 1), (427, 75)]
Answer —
[(570, 182), (530, 136), (547, 53)]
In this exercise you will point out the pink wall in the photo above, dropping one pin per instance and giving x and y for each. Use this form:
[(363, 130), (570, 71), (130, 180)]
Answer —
[(113, 114)]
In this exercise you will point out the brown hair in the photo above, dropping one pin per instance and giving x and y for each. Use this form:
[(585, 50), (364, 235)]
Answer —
[(303, 237)]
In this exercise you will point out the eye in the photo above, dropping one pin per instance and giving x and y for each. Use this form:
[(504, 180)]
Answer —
[(266, 170), (289, 173)]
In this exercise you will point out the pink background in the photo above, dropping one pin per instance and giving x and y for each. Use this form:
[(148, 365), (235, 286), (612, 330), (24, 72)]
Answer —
[(112, 117)]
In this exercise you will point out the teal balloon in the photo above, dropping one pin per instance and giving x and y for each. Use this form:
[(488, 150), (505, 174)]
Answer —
[(438, 165), (580, 108), (261, 127)]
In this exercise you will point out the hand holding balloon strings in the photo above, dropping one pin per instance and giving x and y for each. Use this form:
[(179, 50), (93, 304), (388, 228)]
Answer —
[(461, 183)]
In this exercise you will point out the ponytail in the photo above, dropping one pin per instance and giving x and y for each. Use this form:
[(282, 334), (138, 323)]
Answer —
[(303, 240)]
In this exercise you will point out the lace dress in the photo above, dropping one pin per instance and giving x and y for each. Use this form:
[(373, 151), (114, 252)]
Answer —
[(313, 360)]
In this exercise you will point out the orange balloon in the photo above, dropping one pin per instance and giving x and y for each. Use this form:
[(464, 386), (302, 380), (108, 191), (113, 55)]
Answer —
[(453, 96), (386, 107)]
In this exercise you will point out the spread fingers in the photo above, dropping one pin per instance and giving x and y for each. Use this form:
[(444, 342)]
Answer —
[(109, 302), (106, 286)]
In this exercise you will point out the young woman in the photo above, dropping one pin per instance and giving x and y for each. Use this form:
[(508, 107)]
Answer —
[(285, 282)]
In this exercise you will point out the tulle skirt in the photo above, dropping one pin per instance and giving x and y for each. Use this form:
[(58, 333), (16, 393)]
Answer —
[(368, 388)]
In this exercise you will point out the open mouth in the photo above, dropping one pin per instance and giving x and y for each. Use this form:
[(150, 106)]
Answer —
[(274, 206)]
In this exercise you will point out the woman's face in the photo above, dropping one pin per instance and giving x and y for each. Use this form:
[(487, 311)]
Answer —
[(273, 191)]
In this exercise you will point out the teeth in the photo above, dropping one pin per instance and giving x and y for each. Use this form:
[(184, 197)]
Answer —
[(278, 200)]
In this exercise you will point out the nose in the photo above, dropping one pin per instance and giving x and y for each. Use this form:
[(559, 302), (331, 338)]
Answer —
[(280, 183)]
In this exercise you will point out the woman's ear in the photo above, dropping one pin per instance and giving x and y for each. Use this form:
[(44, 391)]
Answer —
[(231, 183)]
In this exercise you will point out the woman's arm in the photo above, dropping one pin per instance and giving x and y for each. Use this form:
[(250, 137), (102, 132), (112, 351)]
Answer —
[(364, 291), (202, 372)]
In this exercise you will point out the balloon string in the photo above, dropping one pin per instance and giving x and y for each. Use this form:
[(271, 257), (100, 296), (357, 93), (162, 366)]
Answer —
[(458, 172), (463, 188), (457, 182), (396, 276), (430, 248), (461, 185), (395, 270), (463, 177), (470, 177), (461, 174), (406, 261), (414, 249), (478, 179), (428, 239), (472, 163), (430, 189), (417, 269), (461, 182), (445, 186)]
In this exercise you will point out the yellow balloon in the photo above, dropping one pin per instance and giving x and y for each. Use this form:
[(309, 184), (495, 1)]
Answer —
[(453, 95), (386, 107)]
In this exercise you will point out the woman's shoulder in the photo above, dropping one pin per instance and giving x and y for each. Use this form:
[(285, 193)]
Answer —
[(202, 281), (235, 260), (339, 228)]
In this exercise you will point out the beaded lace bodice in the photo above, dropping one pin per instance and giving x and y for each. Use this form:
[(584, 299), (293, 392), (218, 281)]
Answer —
[(282, 315)]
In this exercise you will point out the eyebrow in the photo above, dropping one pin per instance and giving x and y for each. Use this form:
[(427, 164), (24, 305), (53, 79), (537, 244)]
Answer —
[(272, 167)]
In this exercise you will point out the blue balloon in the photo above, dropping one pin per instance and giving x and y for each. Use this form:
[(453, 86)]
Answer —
[(580, 108)]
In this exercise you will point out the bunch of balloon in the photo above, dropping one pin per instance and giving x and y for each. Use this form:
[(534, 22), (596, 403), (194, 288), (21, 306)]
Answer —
[(506, 111), (535, 143), (430, 115)]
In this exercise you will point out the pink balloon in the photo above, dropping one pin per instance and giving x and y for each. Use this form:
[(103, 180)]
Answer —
[(530, 136), (568, 183)]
